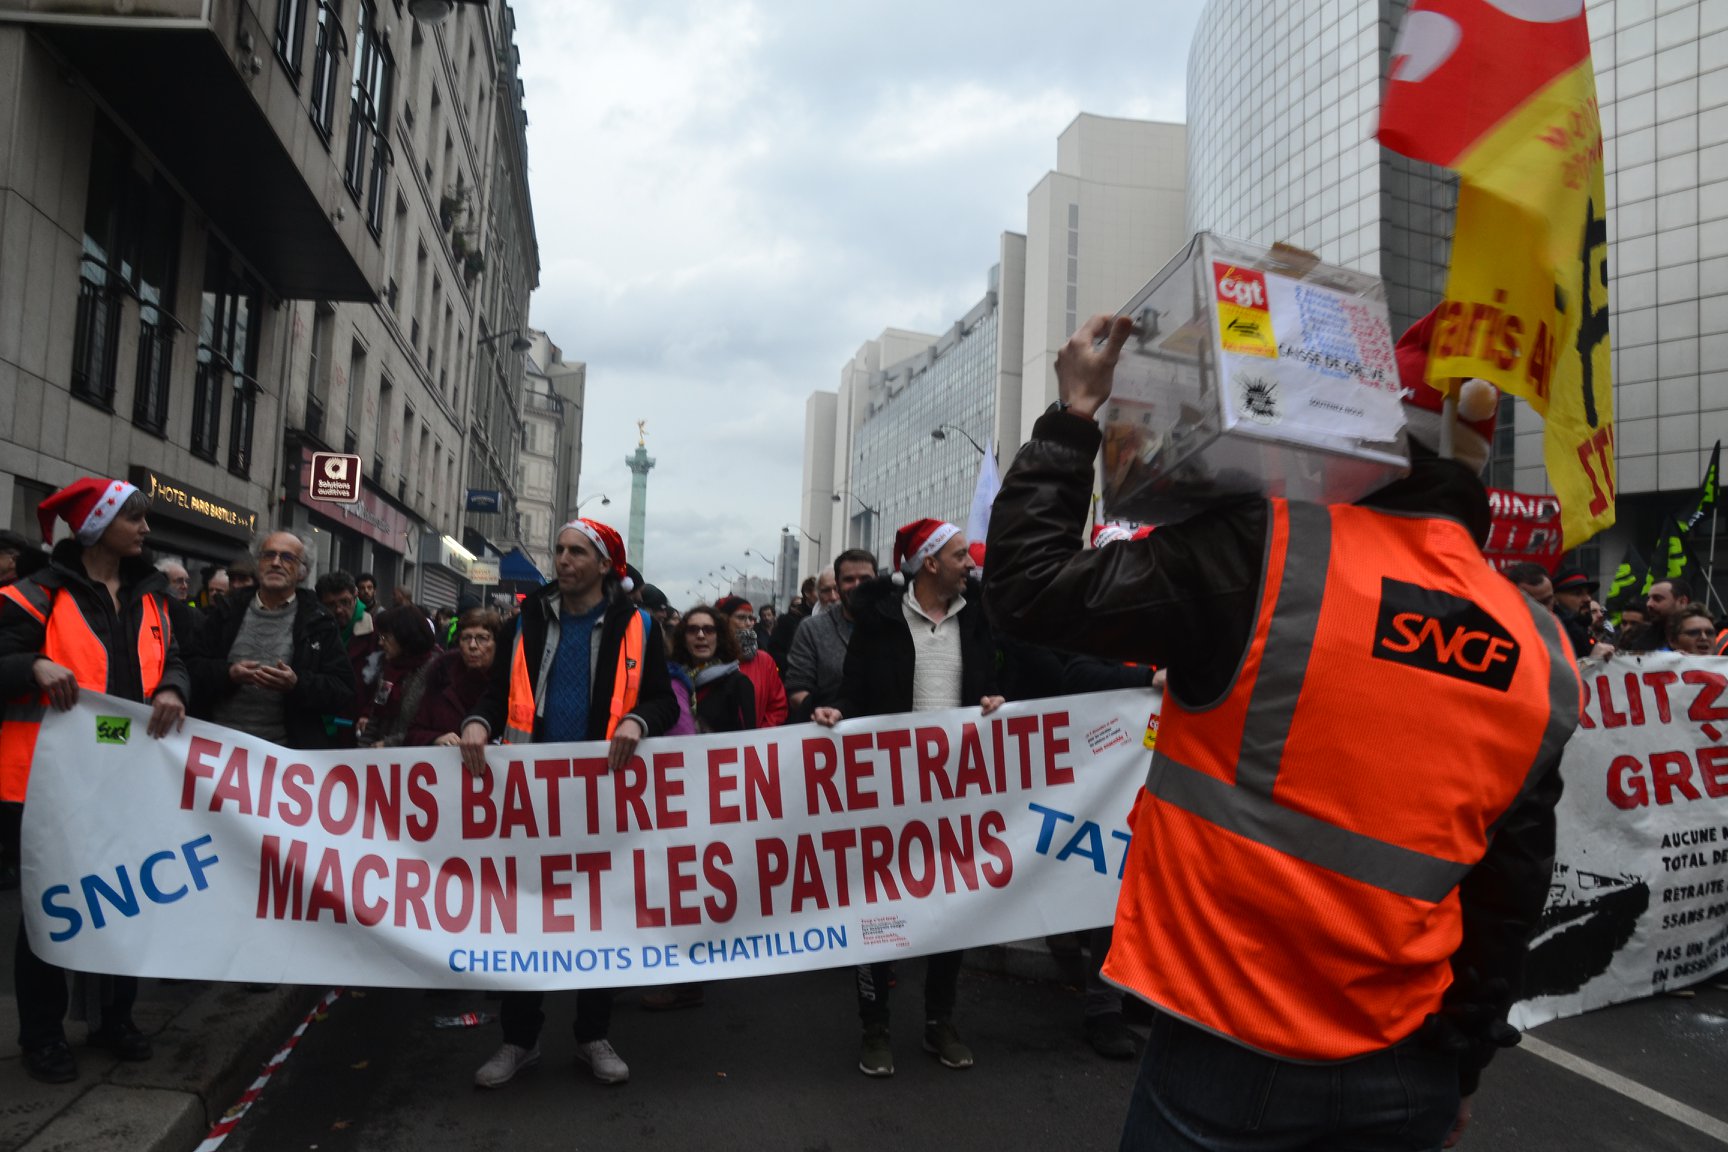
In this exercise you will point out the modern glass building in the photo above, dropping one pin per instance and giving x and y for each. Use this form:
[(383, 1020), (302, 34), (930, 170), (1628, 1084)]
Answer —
[(900, 472), (1283, 103)]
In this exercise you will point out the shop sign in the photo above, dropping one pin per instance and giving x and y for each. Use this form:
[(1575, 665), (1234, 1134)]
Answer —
[(175, 500), (334, 476)]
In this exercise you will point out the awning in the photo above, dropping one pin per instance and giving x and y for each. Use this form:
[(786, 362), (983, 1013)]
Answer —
[(517, 568)]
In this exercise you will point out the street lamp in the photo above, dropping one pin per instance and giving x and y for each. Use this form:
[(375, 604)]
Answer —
[(940, 432), (519, 341), (772, 564), (600, 496)]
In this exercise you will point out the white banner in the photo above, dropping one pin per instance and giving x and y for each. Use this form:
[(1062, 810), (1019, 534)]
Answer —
[(1639, 899), (213, 855)]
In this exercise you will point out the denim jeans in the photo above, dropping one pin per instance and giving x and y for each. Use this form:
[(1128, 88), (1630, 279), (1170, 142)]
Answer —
[(1198, 1092)]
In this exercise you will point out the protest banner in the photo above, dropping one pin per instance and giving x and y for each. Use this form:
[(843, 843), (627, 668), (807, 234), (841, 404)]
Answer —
[(1525, 528), (1639, 899), (213, 855)]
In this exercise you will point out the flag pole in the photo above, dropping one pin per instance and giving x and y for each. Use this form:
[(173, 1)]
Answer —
[(1710, 569), (1448, 419)]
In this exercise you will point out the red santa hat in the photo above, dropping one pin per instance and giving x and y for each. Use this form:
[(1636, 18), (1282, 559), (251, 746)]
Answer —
[(611, 546), (1117, 533), (1478, 401), (917, 542), (88, 506)]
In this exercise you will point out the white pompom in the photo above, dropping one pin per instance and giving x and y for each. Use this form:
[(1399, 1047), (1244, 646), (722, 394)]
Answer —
[(898, 579), (627, 584), (1477, 400)]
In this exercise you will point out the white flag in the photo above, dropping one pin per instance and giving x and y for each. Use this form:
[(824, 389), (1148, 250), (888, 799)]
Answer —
[(989, 483)]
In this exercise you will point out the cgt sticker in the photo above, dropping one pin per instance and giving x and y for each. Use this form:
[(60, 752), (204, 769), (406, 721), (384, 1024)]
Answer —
[(113, 729), (1244, 316)]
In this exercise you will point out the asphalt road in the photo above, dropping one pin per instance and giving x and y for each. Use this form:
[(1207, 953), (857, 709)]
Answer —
[(771, 1064)]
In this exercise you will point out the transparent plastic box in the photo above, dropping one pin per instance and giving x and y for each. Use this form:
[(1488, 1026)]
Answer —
[(1251, 371)]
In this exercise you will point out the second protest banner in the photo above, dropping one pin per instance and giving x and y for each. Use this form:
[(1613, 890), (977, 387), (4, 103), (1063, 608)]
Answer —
[(213, 855)]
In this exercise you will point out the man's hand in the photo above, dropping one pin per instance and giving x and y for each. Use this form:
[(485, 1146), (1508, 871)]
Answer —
[(280, 678), (243, 671), (1458, 1125), (447, 740), (57, 681), (475, 737), (1085, 373), (624, 741), (827, 717), (167, 713), (989, 704)]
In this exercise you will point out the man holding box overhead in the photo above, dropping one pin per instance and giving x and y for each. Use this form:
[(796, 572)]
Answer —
[(1330, 930)]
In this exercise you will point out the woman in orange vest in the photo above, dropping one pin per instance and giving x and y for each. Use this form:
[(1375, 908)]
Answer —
[(96, 618), (1347, 830)]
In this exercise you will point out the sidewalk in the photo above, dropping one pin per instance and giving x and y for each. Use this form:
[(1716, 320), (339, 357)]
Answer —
[(211, 1040)]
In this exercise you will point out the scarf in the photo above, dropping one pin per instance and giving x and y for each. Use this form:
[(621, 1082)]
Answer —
[(709, 673), (747, 644)]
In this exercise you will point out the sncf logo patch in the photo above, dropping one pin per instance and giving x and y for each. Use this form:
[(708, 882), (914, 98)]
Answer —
[(1437, 632)]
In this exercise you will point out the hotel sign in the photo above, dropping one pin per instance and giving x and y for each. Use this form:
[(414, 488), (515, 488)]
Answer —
[(173, 500)]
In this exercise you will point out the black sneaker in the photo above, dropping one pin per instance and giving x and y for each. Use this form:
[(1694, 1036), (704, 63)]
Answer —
[(123, 1040), (52, 1063), (1110, 1037)]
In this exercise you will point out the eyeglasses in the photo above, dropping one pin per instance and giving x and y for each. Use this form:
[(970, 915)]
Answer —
[(700, 630), (478, 639), (290, 559), (1696, 632)]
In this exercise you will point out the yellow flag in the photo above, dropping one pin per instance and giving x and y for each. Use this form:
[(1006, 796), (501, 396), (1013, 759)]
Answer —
[(1510, 103)]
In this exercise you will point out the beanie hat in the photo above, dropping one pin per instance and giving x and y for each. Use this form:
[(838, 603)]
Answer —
[(727, 605), (88, 505), (1478, 401), (917, 542), (611, 546)]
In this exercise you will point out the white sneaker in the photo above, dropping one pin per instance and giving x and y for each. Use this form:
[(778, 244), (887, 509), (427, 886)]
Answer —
[(606, 1065), (505, 1063)]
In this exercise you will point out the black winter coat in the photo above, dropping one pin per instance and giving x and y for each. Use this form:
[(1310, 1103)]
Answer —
[(880, 659), (325, 681), (656, 707), (726, 705)]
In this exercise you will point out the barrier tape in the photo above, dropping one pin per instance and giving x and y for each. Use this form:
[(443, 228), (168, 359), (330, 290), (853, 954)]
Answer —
[(231, 1118)]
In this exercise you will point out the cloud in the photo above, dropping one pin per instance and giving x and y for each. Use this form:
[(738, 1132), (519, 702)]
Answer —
[(730, 197)]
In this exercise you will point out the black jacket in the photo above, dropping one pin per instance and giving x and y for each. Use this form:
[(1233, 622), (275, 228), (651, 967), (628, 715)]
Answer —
[(21, 638), (1185, 599), (726, 705), (324, 681), (656, 707), (880, 659)]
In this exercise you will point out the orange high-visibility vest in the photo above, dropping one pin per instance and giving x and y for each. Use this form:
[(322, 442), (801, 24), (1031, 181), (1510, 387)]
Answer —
[(70, 643), (1291, 881), (522, 709)]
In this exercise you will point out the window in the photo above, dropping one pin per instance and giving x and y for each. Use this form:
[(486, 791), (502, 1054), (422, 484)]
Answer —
[(291, 35), (318, 369), (356, 396), (227, 355), (157, 271), (368, 119), (103, 270), (331, 42)]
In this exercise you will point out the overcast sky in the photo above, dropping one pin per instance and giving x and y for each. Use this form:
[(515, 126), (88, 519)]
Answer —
[(731, 197)]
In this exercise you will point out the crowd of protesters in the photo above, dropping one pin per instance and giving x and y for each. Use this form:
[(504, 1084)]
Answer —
[(1663, 618), (262, 649)]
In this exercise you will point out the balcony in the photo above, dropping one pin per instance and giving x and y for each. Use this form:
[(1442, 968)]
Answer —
[(199, 83)]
